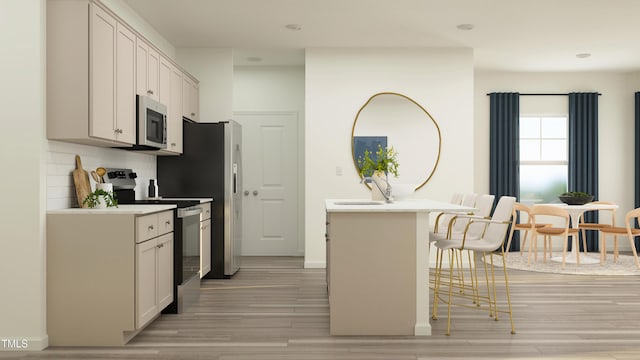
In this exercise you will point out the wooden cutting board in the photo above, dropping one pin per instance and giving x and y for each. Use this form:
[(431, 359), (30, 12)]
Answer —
[(81, 182)]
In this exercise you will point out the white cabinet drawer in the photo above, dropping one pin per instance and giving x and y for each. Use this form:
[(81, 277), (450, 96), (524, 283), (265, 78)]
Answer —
[(165, 222), (206, 211), (146, 227)]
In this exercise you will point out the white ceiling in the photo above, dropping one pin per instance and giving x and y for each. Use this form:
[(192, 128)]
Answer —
[(515, 35)]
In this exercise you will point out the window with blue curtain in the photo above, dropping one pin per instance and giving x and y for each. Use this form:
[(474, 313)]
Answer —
[(504, 159), (583, 153)]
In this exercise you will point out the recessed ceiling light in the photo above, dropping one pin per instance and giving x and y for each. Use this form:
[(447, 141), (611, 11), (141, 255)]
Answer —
[(465, 27), (254, 59), (583, 55), (294, 27)]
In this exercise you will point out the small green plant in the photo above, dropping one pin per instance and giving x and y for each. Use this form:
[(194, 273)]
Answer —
[(386, 161), (93, 199), (578, 194)]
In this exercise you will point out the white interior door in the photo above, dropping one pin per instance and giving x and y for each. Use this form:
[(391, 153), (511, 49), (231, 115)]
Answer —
[(270, 183)]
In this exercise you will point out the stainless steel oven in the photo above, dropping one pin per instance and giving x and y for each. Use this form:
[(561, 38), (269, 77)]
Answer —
[(186, 236), (188, 280)]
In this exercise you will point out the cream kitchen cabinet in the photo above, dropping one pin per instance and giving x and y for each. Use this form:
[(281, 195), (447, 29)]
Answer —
[(91, 67), (205, 239), (147, 70), (154, 265), (109, 273), (190, 98), (171, 96)]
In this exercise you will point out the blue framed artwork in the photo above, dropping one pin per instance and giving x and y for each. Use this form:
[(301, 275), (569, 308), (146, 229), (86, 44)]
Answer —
[(362, 143)]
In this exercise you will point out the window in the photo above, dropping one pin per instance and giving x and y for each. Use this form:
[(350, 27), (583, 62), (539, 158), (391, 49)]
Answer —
[(543, 158)]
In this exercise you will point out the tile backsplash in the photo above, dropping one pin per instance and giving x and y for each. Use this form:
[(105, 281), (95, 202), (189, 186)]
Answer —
[(61, 162)]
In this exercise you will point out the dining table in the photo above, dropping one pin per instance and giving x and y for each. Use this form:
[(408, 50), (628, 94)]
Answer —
[(575, 212)]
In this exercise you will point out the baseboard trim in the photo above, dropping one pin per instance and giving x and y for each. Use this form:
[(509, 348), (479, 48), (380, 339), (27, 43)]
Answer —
[(24, 344), (315, 264)]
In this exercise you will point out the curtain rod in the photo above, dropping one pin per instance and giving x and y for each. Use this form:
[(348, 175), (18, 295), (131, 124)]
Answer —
[(540, 94)]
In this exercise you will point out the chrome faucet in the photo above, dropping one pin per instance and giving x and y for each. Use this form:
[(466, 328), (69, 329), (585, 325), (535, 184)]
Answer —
[(386, 192)]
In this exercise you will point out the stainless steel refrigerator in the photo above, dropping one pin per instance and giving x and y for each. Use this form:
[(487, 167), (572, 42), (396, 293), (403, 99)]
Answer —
[(210, 166)]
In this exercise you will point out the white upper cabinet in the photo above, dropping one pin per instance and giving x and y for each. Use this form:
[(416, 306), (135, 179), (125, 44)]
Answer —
[(190, 99), (89, 49), (148, 70), (96, 64), (171, 96), (125, 84), (176, 111), (102, 74)]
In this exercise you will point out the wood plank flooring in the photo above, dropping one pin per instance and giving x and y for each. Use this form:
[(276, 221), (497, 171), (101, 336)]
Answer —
[(275, 309)]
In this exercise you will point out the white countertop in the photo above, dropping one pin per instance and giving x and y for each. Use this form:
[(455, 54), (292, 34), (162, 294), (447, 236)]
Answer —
[(120, 210), (408, 205), (202, 200)]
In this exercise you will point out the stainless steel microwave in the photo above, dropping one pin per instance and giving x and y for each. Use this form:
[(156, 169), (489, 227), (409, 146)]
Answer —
[(152, 123)]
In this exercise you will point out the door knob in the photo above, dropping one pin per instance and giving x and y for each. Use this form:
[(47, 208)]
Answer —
[(246, 193), (255, 192)]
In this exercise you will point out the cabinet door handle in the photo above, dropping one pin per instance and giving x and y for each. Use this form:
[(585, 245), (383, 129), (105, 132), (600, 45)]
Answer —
[(193, 114), (160, 245), (168, 222), (150, 227), (173, 144), (150, 92), (255, 192)]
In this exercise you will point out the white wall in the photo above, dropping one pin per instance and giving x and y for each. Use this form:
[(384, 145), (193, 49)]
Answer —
[(615, 124), (275, 88), (339, 81), (214, 69), (22, 234)]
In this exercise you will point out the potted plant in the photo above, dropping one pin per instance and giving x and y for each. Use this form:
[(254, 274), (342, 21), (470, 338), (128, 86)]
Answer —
[(377, 170), (386, 161), (101, 199), (575, 198)]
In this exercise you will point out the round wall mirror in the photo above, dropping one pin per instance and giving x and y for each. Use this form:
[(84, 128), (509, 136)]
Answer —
[(395, 120)]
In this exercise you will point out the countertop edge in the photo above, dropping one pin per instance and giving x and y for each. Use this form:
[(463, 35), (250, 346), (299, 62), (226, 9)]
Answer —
[(202, 200), (120, 210), (409, 205)]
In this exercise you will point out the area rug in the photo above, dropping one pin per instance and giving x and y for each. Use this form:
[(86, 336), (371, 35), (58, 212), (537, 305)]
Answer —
[(624, 266)]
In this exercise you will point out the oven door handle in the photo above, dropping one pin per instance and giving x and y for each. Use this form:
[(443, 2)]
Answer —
[(190, 211)]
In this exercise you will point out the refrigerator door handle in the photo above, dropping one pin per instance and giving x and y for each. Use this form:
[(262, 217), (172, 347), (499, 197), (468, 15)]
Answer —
[(235, 178)]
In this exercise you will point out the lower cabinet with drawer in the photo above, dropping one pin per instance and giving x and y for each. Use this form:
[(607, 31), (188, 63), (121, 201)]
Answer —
[(108, 275), (154, 266)]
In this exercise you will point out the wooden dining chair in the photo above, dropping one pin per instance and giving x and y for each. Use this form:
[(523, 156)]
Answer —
[(630, 230), (520, 209), (563, 231), (584, 226)]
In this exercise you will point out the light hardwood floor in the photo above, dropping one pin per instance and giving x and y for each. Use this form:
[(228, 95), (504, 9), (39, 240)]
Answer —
[(275, 309)]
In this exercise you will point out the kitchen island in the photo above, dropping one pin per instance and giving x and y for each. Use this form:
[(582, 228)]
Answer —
[(378, 265)]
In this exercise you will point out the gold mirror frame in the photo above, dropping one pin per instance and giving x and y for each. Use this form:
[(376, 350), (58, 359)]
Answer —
[(435, 123)]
